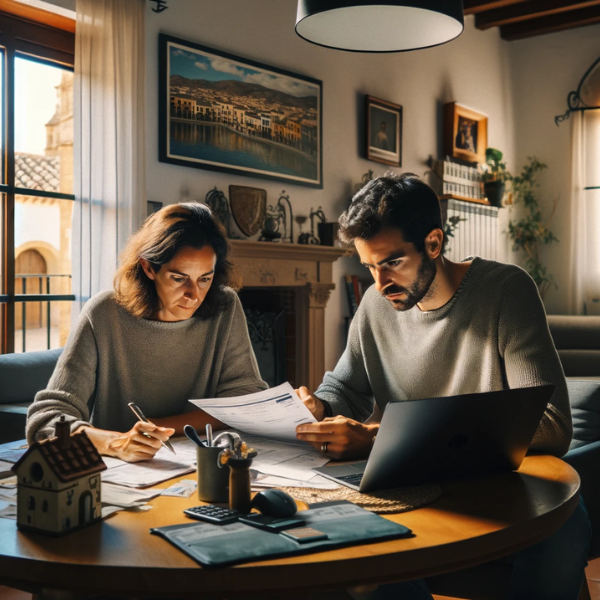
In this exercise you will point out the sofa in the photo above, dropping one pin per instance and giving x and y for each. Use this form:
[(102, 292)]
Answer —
[(21, 377)]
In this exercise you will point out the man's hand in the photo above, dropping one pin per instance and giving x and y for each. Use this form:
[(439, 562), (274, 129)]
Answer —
[(345, 437), (132, 446), (311, 402)]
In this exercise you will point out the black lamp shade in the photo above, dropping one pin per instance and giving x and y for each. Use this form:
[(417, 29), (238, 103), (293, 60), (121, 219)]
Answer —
[(379, 26)]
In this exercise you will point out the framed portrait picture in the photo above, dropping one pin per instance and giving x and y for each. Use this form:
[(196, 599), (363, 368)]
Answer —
[(384, 131), (465, 133), (225, 113)]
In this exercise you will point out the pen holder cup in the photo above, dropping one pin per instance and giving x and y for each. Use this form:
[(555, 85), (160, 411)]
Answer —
[(213, 482)]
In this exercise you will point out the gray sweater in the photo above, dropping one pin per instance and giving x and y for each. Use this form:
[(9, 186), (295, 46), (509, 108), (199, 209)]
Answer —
[(113, 358), (491, 335)]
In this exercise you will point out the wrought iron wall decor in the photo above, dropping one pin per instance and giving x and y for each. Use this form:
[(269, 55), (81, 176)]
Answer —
[(576, 100), (217, 202), (160, 5), (311, 238), (275, 227)]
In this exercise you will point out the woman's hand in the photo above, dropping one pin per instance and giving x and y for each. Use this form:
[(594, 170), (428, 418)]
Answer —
[(345, 438), (131, 446)]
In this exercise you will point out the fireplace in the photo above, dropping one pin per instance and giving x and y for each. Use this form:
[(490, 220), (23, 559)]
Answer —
[(291, 282), (271, 318)]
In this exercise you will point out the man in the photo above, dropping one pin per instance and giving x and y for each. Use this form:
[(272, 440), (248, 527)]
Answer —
[(430, 327)]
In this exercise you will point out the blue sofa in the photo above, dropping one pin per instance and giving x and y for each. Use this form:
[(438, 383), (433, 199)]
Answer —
[(21, 377)]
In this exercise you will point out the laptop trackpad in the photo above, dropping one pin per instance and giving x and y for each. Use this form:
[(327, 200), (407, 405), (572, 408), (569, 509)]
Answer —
[(343, 470)]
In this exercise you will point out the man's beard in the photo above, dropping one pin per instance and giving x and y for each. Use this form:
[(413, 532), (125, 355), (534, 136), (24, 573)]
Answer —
[(419, 289)]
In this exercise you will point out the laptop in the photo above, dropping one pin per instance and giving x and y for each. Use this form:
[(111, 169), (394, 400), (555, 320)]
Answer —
[(430, 440)]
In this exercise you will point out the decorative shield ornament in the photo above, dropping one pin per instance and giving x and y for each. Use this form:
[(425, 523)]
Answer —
[(248, 207)]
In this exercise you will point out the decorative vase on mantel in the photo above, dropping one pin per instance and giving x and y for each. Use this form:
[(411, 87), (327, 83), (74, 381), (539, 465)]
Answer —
[(494, 192)]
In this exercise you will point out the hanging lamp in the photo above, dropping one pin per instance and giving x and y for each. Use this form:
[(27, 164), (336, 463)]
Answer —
[(379, 25)]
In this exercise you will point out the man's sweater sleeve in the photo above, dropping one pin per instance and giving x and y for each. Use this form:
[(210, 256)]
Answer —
[(530, 359), (347, 389), (71, 387)]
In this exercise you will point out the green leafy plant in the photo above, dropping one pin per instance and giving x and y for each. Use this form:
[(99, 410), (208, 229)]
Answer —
[(532, 231), (449, 229), (494, 168)]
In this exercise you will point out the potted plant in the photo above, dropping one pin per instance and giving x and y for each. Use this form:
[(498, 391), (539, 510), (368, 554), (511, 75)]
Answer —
[(494, 176), (532, 230)]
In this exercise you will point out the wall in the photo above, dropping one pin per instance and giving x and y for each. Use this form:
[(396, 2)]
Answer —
[(473, 70), (545, 69)]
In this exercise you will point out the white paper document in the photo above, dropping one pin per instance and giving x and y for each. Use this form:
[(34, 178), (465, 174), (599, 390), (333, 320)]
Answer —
[(274, 413), (124, 497), (162, 467)]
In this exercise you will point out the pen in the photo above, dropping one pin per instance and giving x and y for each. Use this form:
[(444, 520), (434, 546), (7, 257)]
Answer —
[(137, 411), (209, 436)]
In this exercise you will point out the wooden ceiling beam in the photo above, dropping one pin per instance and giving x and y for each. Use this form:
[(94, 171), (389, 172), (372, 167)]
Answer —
[(551, 24), (472, 7), (534, 9)]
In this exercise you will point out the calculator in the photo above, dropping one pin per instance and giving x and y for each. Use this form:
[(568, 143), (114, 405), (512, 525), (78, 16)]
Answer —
[(213, 514)]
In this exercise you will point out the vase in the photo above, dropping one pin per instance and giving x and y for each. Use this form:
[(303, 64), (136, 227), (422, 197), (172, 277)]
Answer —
[(494, 192)]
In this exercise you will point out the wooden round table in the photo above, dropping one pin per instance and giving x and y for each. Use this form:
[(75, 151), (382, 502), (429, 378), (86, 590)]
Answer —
[(474, 521)]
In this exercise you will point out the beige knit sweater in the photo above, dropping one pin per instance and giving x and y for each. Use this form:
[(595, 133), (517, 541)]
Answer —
[(491, 335), (113, 358)]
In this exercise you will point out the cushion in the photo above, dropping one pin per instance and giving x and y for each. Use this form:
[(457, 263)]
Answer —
[(585, 410), (575, 332), (22, 376), (580, 363)]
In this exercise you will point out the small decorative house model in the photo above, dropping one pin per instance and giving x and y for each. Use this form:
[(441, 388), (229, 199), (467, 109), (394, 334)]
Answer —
[(58, 483)]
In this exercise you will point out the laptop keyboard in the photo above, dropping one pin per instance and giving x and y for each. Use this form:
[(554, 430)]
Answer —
[(353, 479)]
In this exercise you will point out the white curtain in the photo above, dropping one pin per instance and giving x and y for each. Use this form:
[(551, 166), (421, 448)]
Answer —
[(584, 289), (109, 140)]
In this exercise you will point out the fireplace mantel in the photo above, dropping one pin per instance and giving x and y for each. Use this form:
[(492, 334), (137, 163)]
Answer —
[(308, 270)]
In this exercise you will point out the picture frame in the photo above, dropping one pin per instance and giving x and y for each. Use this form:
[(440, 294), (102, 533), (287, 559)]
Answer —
[(465, 133), (225, 113), (384, 131)]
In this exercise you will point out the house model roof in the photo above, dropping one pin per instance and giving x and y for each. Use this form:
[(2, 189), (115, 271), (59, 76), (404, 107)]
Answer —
[(79, 459)]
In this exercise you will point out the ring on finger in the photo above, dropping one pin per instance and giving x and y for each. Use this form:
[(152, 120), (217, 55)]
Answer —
[(324, 447)]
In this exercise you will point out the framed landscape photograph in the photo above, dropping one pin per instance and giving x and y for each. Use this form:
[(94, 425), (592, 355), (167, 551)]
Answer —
[(222, 112), (465, 133), (384, 131)]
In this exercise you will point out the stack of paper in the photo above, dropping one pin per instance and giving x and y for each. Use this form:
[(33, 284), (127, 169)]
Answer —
[(267, 421)]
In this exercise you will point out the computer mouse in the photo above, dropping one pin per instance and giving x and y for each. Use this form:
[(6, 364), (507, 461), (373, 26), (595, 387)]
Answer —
[(275, 503)]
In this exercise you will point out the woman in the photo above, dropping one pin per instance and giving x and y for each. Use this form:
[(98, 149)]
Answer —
[(172, 330)]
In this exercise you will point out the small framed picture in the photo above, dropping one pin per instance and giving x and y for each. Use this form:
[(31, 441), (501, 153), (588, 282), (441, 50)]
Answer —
[(384, 131), (465, 133)]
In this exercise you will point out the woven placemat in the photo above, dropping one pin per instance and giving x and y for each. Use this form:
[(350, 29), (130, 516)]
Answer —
[(385, 501)]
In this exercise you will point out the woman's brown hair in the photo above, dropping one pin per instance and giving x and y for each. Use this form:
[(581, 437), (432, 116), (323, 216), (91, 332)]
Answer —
[(162, 235)]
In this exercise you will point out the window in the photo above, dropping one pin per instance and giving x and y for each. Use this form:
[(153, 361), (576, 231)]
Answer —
[(36, 179)]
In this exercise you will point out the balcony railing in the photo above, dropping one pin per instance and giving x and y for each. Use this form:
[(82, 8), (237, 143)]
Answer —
[(44, 295)]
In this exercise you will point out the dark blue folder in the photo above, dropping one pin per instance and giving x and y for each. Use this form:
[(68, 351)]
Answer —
[(219, 545)]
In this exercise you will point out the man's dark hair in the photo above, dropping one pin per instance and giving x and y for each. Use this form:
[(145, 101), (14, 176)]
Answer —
[(402, 201)]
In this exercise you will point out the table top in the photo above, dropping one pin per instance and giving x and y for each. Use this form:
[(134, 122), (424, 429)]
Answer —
[(473, 521)]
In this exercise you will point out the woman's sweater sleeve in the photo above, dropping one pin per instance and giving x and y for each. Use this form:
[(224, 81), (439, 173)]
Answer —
[(70, 391)]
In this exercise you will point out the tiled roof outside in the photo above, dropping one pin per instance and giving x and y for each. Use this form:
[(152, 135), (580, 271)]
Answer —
[(36, 172)]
